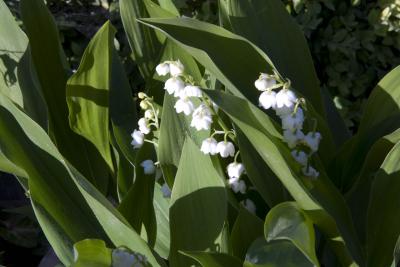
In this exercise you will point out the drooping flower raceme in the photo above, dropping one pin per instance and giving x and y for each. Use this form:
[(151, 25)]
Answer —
[(287, 107), (181, 86)]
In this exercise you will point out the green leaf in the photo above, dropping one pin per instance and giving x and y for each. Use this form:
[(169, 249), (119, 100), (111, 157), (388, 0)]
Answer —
[(198, 205), (18, 80), (60, 194), (213, 47), (280, 253), (381, 117), (318, 198), (212, 259), (137, 207), (358, 197), (246, 229), (144, 44), (260, 175), (268, 25), (88, 92), (384, 211), (91, 253), (122, 109), (233, 60), (287, 221), (52, 72), (161, 208), (175, 127), (170, 6)]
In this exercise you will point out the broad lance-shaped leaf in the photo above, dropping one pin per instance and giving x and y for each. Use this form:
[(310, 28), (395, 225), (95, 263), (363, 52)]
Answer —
[(175, 127), (18, 80), (144, 44), (275, 254), (214, 48), (212, 259), (52, 72), (381, 117), (233, 60), (161, 208), (358, 197), (88, 92), (137, 207), (287, 221), (384, 211), (60, 194), (267, 24), (198, 205), (91, 253), (247, 228), (320, 200), (260, 175)]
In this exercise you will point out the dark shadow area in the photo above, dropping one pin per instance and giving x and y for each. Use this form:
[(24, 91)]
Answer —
[(9, 75)]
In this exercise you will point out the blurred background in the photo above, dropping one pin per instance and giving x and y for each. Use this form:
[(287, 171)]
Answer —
[(354, 43)]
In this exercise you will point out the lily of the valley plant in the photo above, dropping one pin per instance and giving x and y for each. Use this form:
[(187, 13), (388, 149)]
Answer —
[(229, 154)]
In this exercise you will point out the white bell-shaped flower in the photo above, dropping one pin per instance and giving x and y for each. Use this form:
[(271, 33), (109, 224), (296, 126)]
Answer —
[(209, 146), (149, 114), (264, 82), (143, 126), (235, 169), (148, 167), (312, 139), (249, 205), (193, 91), (226, 149), (300, 157), (285, 98), (184, 105), (176, 68), (201, 118), (162, 69), (237, 185), (137, 139), (166, 191), (174, 84), (310, 172), (292, 138), (283, 111), (267, 99), (293, 121)]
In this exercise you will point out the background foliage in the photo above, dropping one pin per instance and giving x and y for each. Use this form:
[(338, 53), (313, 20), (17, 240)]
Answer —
[(353, 45)]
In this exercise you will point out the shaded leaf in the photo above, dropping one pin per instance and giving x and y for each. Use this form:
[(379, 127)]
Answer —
[(212, 259), (287, 221), (198, 205)]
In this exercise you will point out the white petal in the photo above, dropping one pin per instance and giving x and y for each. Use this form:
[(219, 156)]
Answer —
[(162, 69), (268, 99), (176, 68)]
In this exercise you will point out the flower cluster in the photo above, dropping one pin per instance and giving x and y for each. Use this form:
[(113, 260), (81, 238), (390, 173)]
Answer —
[(287, 108), (183, 88), (145, 123)]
